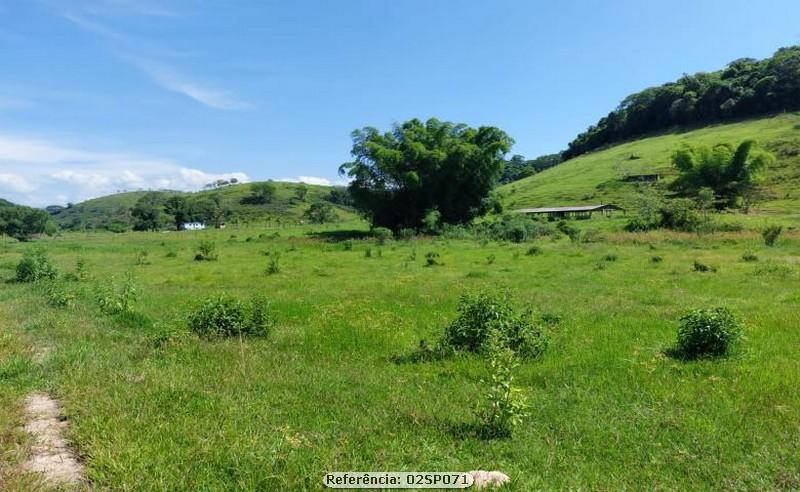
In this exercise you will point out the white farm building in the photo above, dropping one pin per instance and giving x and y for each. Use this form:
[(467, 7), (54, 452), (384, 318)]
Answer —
[(193, 226)]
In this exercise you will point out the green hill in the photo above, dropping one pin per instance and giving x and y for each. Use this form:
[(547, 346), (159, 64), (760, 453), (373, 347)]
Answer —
[(106, 211), (598, 177)]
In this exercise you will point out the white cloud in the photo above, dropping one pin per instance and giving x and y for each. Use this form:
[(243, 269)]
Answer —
[(39, 172), (314, 180)]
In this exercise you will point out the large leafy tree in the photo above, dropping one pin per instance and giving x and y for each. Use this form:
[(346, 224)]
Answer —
[(22, 223), (148, 213), (730, 172), (400, 175)]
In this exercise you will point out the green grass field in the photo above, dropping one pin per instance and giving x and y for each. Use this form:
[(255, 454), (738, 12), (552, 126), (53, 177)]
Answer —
[(597, 177), (323, 392)]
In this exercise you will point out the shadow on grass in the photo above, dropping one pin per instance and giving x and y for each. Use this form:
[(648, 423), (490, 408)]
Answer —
[(339, 235)]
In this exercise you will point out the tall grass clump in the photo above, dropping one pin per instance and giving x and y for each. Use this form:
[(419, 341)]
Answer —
[(771, 234), (225, 316), (33, 267), (707, 332), (274, 266)]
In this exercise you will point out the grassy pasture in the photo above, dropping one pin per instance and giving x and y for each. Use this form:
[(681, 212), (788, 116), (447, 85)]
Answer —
[(596, 177), (323, 392)]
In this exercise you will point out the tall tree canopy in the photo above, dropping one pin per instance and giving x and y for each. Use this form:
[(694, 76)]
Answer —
[(400, 175), (746, 87), (730, 172), (22, 223)]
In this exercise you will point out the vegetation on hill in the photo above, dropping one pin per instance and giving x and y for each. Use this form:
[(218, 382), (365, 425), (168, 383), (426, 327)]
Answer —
[(518, 167), (599, 177), (745, 88), (286, 203), (417, 169), (21, 222)]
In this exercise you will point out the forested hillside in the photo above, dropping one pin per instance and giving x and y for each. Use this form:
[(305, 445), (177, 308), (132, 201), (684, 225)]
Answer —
[(745, 88)]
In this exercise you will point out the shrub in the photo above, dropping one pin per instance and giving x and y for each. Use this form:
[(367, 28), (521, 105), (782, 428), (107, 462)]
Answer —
[(347, 245), (117, 299), (702, 267), (707, 332), (610, 257), (432, 259), (504, 407), (206, 251), (33, 267), (171, 254), (431, 221), (656, 259), (382, 234), (749, 256), (224, 316), (516, 228), (59, 296), (533, 251), (482, 313), (771, 234), (274, 266)]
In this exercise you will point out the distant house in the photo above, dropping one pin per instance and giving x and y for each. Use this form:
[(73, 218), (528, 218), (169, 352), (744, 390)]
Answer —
[(642, 178), (578, 211), (192, 226)]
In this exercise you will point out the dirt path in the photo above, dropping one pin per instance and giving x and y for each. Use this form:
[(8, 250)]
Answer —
[(50, 455)]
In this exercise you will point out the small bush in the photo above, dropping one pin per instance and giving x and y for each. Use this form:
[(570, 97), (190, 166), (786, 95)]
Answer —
[(382, 235), (171, 254), (749, 256), (610, 257), (117, 299), (482, 313), (702, 267), (206, 251), (33, 267), (771, 234), (534, 251), (347, 245), (225, 316), (707, 332), (59, 296), (432, 259), (504, 406), (656, 259), (81, 273)]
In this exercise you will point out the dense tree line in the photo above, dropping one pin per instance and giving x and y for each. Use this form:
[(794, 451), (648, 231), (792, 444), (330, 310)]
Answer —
[(153, 211), (421, 168), (518, 167), (746, 87), (22, 223)]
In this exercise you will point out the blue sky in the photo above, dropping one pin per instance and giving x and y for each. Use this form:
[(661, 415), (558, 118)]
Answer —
[(102, 95)]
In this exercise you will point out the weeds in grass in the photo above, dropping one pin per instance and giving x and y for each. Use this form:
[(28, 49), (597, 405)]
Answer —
[(347, 245), (81, 273), (534, 251), (274, 266), (749, 256), (206, 251), (771, 234), (59, 296), (368, 252), (490, 259), (610, 257), (171, 253), (142, 258), (224, 316), (656, 259), (114, 298), (702, 267), (432, 258)]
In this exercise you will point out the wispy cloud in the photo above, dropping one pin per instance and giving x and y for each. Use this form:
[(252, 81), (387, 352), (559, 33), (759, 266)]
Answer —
[(39, 172), (140, 55), (171, 80)]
